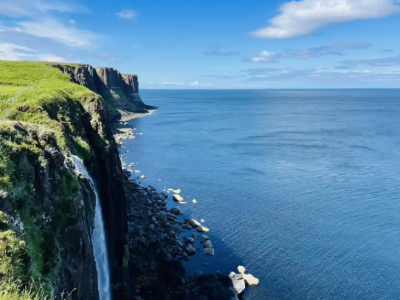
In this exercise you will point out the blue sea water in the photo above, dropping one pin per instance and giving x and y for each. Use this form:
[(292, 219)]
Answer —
[(301, 187)]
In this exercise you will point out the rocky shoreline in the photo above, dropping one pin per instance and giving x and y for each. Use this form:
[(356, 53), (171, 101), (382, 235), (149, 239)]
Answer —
[(122, 130), (156, 248)]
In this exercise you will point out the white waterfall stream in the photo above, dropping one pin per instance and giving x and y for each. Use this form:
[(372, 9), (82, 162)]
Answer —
[(98, 237)]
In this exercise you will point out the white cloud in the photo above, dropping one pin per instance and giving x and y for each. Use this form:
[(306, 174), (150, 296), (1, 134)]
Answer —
[(172, 83), (52, 58), (301, 18), (127, 14), (392, 61), (265, 56), (56, 31), (9, 51), (287, 74), (199, 84), (24, 8), (338, 49)]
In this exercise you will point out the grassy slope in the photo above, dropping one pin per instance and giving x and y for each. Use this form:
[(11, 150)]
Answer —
[(44, 103)]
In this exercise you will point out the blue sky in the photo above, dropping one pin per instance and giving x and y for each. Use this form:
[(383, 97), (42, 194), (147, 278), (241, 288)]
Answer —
[(214, 44)]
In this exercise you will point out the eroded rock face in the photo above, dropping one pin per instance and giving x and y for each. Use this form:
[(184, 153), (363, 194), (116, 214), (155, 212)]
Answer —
[(78, 268), (81, 74), (110, 77), (121, 92), (132, 81)]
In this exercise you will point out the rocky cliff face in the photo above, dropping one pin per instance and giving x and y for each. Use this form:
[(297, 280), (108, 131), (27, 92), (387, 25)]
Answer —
[(41, 197), (107, 171), (56, 218), (57, 208), (120, 92), (84, 75), (132, 81)]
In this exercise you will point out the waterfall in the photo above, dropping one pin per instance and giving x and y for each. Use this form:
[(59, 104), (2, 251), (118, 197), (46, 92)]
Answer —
[(98, 237)]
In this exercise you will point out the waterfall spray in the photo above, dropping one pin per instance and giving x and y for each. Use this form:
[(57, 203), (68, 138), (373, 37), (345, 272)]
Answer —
[(98, 237)]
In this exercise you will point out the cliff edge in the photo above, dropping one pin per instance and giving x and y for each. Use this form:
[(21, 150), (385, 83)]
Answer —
[(46, 210), (120, 92)]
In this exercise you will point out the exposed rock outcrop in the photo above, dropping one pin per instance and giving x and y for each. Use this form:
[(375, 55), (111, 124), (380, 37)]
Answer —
[(132, 81), (81, 74), (67, 206), (120, 92)]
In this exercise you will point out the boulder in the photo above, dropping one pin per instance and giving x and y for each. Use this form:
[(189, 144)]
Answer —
[(202, 229), (241, 269), (177, 197), (238, 282), (176, 211), (190, 250), (177, 243), (164, 256), (205, 237), (251, 280), (209, 251), (207, 244), (189, 240), (194, 201), (194, 223)]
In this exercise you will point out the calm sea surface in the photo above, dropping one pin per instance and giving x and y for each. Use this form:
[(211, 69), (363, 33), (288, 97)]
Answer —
[(300, 187)]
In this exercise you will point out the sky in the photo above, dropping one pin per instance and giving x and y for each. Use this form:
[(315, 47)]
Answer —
[(214, 44)]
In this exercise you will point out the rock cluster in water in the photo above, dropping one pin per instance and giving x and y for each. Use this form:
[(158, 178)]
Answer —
[(156, 251)]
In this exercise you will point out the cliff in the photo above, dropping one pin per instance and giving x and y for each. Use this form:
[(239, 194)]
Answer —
[(44, 118), (119, 92), (49, 114)]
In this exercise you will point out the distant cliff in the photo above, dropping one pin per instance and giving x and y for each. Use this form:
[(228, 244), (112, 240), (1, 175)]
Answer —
[(120, 91)]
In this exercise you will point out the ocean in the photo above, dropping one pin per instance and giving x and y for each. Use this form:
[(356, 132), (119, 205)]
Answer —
[(302, 187)]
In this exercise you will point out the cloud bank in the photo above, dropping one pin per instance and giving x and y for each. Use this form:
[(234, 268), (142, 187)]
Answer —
[(314, 52), (302, 18)]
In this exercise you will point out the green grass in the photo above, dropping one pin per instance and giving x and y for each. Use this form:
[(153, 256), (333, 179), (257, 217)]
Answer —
[(43, 85), (45, 110), (34, 92), (14, 260)]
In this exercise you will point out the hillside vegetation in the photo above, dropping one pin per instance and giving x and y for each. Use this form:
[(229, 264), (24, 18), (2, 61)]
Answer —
[(40, 114)]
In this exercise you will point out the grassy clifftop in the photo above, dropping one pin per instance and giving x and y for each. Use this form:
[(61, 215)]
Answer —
[(40, 115), (29, 89)]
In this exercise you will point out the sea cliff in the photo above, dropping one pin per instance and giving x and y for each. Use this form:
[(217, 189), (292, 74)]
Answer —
[(50, 112)]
